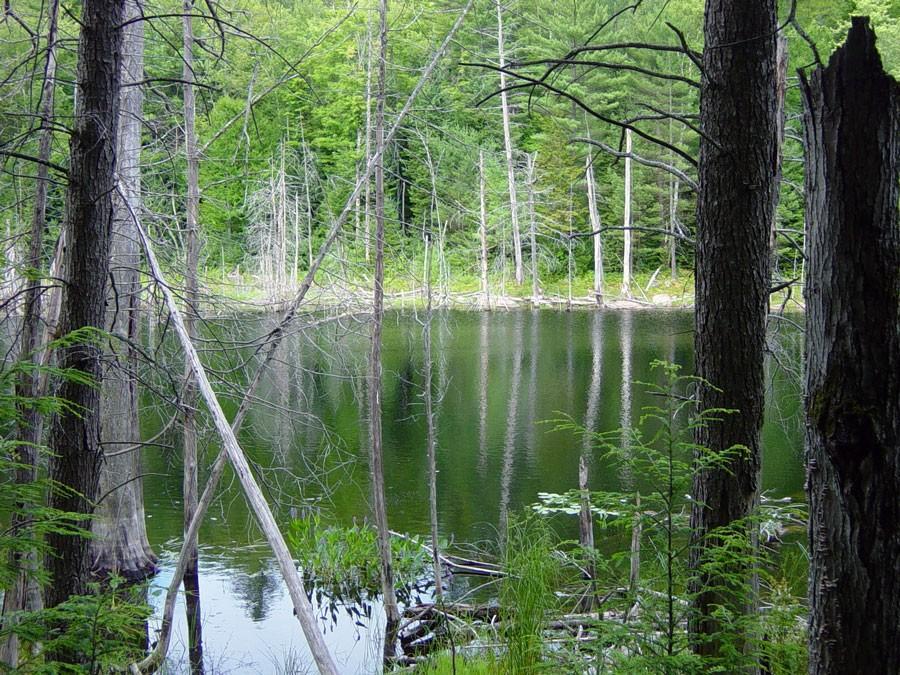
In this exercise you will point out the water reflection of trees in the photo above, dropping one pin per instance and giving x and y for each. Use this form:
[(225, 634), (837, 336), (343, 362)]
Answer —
[(484, 351), (626, 344), (512, 426), (257, 592)]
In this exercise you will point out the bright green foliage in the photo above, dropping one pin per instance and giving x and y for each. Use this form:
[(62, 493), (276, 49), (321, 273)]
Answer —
[(295, 73), (96, 631), (445, 664), (644, 626), (343, 561), (99, 632)]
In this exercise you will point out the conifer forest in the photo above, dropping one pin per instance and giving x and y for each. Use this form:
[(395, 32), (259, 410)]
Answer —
[(450, 336)]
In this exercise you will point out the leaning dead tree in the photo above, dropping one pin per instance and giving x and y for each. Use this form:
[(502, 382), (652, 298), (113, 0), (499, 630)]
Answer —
[(270, 346), (261, 510), (852, 134)]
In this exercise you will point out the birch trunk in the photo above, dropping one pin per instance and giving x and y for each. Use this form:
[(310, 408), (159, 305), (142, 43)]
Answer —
[(675, 186), (510, 163), (532, 230), (626, 255), (852, 134), (596, 237)]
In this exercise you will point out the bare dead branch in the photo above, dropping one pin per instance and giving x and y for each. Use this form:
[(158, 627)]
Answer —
[(610, 66), (530, 83), (675, 171)]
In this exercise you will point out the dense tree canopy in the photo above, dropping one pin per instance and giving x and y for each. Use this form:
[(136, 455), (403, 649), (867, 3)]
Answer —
[(282, 88)]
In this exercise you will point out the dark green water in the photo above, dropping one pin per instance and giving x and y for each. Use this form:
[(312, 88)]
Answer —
[(497, 377)]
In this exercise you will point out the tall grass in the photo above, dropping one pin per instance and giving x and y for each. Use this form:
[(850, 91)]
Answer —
[(527, 593)]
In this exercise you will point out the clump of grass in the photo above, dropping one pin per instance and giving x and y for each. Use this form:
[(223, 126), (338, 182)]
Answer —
[(447, 664), (342, 564), (528, 591)]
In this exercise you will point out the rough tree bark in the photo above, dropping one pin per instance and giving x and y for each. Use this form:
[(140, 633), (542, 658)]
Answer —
[(852, 120), (738, 150), (376, 458), (75, 433), (120, 543)]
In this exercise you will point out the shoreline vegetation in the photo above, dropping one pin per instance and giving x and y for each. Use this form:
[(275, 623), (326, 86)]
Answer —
[(651, 292)]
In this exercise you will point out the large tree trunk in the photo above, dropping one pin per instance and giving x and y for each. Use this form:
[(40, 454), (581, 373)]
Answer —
[(24, 592), (120, 543), (853, 360), (734, 211), (75, 433), (379, 508)]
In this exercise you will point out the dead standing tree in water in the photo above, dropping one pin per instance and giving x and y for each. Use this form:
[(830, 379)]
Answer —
[(852, 115), (192, 297), (376, 455)]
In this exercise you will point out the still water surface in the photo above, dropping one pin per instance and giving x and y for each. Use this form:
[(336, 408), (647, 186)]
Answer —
[(497, 376)]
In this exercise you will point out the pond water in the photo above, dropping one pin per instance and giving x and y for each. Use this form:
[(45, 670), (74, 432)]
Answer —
[(497, 378)]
